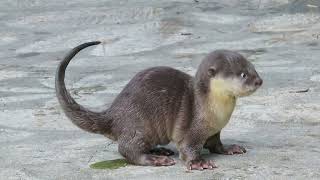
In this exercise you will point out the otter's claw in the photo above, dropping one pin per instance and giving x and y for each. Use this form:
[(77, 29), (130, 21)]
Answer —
[(200, 164)]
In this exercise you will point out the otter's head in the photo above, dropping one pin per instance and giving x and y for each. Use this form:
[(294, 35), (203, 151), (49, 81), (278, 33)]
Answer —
[(228, 73)]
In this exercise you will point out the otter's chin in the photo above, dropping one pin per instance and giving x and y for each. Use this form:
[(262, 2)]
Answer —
[(246, 92)]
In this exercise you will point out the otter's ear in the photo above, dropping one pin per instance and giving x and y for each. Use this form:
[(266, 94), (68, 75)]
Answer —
[(212, 71)]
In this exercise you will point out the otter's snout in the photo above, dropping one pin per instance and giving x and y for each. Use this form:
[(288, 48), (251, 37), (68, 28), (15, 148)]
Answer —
[(258, 82)]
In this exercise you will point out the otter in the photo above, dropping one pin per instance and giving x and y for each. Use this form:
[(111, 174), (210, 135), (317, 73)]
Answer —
[(161, 105)]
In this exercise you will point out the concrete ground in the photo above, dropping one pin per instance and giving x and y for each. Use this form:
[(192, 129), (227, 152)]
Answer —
[(278, 124)]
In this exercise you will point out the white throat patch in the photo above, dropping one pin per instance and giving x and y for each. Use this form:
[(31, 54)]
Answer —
[(220, 105)]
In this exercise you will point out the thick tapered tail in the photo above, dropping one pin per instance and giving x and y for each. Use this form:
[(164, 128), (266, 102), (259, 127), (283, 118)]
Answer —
[(85, 119)]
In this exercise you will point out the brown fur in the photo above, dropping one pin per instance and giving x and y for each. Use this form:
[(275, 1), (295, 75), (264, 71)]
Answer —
[(162, 104)]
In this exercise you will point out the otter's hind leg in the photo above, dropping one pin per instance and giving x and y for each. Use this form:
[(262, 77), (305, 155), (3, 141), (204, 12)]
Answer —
[(136, 151)]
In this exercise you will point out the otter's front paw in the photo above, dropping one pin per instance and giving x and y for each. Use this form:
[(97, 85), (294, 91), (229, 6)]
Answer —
[(235, 149), (200, 164)]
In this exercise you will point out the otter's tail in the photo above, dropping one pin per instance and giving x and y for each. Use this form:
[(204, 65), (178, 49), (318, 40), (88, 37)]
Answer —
[(85, 119)]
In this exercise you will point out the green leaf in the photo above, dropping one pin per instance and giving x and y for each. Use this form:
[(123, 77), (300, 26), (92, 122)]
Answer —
[(110, 164)]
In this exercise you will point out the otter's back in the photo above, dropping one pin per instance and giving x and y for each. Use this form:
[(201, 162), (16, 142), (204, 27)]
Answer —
[(151, 100)]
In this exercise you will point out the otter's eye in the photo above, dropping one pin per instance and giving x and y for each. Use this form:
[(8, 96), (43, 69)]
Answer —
[(243, 75)]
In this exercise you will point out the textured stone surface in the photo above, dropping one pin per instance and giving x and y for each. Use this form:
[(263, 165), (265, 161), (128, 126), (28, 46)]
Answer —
[(280, 128)]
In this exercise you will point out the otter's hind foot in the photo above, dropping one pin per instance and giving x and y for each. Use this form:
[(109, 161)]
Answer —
[(155, 160)]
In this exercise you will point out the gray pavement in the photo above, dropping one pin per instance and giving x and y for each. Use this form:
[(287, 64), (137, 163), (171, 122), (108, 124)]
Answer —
[(278, 126)]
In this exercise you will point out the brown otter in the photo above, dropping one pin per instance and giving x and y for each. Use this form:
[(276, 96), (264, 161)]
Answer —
[(162, 104)]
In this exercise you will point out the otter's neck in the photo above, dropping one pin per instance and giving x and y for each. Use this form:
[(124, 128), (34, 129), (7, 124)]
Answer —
[(219, 105)]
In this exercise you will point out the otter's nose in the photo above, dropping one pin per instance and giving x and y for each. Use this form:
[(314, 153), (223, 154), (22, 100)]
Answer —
[(258, 82)]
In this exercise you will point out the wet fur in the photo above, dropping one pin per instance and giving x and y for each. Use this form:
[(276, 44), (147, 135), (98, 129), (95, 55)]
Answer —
[(160, 105)]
